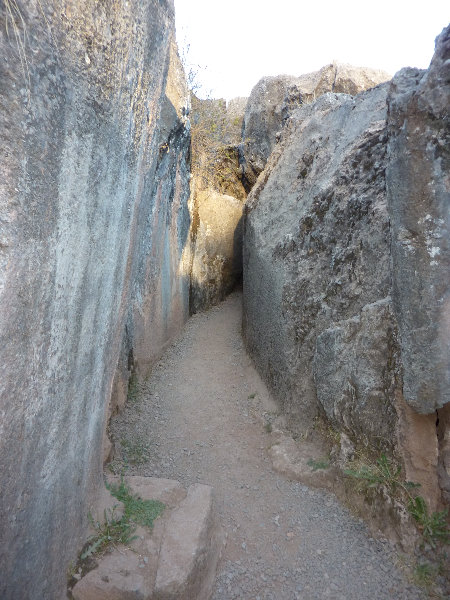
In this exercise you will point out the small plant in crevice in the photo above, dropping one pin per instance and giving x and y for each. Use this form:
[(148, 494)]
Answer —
[(133, 388), (268, 427), (115, 530), (425, 574), (325, 429), (111, 531), (135, 452), (433, 526), (117, 467), (385, 474), (137, 511), (316, 465)]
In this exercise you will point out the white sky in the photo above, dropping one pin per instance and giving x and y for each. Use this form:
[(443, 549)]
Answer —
[(236, 42)]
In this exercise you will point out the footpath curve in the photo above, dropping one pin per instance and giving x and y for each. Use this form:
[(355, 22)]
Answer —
[(196, 419)]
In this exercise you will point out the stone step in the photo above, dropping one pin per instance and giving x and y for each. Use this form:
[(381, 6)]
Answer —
[(177, 560)]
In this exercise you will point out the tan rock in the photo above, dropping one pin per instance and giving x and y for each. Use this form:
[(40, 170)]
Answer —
[(175, 561), (291, 459), (108, 505), (217, 256), (418, 447), (168, 491), (190, 549), (121, 575)]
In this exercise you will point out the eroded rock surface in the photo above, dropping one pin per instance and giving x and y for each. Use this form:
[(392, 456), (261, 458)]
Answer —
[(94, 218), (159, 295), (316, 262), (273, 100), (346, 262), (189, 550), (418, 184)]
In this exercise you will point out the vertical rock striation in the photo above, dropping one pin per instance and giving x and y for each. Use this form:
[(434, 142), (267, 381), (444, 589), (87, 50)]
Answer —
[(418, 190), (346, 263), (93, 223), (159, 295), (418, 185)]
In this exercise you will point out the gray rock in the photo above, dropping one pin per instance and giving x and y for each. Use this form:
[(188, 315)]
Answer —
[(343, 284), (273, 100), (321, 255), (419, 207), (354, 377), (93, 200)]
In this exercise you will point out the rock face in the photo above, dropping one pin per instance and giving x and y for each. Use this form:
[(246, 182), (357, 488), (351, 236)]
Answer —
[(214, 258), (317, 263), (418, 184), (94, 220), (159, 302), (216, 261), (273, 99), (346, 263)]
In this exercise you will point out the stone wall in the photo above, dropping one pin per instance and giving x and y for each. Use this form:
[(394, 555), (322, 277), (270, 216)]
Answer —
[(346, 262), (93, 224)]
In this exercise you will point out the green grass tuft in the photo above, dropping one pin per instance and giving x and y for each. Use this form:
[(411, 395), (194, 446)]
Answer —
[(116, 530), (318, 464), (137, 511)]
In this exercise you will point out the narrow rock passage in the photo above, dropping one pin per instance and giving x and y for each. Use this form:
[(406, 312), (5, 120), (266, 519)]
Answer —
[(194, 420)]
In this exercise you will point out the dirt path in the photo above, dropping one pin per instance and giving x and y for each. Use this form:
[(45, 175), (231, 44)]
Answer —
[(193, 421)]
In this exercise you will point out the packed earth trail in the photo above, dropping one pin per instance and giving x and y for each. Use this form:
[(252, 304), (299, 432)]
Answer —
[(197, 419)]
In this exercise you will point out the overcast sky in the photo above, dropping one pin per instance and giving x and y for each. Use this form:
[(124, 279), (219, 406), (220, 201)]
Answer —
[(233, 43)]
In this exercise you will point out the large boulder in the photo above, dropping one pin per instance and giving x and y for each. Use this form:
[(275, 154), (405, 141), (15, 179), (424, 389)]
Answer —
[(216, 261), (94, 219), (346, 262), (316, 263), (273, 99)]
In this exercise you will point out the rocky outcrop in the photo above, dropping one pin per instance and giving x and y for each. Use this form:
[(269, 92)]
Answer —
[(317, 263), (214, 257), (94, 220), (418, 191), (346, 269), (273, 99)]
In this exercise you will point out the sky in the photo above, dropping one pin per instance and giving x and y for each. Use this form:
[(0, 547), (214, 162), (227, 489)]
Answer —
[(233, 43)]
